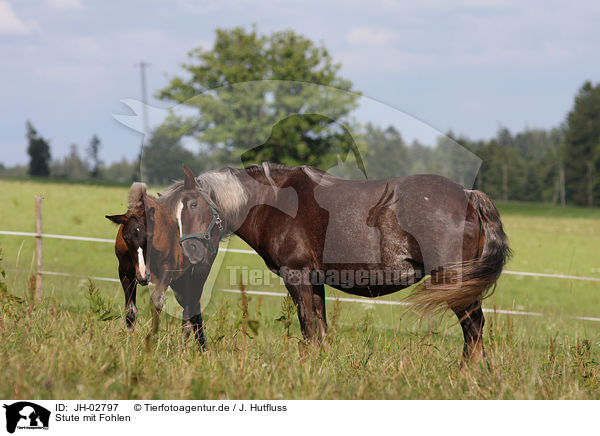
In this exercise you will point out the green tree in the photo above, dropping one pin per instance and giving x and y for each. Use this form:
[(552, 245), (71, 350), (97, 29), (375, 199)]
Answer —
[(249, 83), (122, 171), (387, 154), (163, 156), (581, 151), (39, 153), (71, 167), (93, 151)]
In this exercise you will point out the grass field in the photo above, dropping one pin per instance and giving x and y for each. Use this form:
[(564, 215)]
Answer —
[(74, 345)]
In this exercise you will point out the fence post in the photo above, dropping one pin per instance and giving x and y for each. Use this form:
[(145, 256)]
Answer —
[(38, 246)]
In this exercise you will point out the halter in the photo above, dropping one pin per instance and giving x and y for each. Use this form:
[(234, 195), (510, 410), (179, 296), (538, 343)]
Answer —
[(205, 236)]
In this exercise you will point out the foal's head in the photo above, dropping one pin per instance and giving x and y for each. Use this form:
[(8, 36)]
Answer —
[(134, 231), (199, 222), (135, 236)]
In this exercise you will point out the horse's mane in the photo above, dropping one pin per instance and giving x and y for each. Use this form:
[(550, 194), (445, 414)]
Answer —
[(227, 192), (315, 174), (222, 186)]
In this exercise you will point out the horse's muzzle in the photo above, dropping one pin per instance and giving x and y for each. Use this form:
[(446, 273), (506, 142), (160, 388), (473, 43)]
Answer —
[(143, 281), (193, 250)]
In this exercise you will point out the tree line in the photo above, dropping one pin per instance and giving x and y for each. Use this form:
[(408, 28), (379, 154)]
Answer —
[(239, 95), (74, 166)]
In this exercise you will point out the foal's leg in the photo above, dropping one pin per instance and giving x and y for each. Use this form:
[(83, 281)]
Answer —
[(472, 321), (319, 311), (129, 284)]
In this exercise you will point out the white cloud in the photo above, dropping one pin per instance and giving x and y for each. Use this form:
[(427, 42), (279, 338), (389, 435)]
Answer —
[(370, 36), (386, 60), (10, 24), (490, 5), (65, 4)]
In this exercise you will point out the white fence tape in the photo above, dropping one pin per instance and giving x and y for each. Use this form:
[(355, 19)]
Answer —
[(236, 250), (51, 236), (342, 299), (402, 303)]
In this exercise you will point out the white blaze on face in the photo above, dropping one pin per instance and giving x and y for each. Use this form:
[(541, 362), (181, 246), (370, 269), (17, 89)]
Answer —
[(141, 263), (179, 209)]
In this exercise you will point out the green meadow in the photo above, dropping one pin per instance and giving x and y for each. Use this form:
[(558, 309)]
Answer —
[(73, 344)]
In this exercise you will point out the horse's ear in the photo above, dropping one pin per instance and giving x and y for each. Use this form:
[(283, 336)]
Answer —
[(190, 180), (117, 219), (150, 215), (151, 204)]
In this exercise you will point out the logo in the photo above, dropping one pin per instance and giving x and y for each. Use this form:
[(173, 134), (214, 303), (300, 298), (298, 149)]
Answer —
[(26, 415)]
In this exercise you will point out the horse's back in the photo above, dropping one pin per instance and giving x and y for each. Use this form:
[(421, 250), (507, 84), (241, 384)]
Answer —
[(431, 212)]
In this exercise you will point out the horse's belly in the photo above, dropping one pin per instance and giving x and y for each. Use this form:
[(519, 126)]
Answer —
[(372, 280), (373, 292)]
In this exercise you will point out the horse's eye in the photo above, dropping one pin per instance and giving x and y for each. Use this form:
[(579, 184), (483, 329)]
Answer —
[(193, 205), (137, 229)]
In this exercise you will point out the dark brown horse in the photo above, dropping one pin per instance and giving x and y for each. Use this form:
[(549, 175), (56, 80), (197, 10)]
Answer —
[(130, 249), (368, 238), (169, 267), (147, 250)]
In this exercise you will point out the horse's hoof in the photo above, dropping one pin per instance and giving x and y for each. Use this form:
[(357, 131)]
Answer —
[(130, 323)]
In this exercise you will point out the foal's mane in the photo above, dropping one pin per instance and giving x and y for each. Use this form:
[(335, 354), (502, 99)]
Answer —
[(135, 199)]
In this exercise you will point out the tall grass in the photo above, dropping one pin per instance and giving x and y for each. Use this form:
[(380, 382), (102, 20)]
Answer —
[(73, 344)]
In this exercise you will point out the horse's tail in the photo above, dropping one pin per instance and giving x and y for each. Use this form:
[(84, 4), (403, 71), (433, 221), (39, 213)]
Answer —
[(459, 286)]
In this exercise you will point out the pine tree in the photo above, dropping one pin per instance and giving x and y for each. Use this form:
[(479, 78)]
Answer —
[(581, 151), (39, 153)]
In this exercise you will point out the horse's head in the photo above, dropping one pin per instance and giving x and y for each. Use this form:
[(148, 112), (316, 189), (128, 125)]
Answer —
[(199, 222), (134, 231), (163, 237)]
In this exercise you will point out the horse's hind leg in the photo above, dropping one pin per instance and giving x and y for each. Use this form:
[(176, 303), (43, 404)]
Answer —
[(472, 321), (129, 288)]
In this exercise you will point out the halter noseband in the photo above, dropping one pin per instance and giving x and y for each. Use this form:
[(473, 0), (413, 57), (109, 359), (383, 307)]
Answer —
[(205, 236)]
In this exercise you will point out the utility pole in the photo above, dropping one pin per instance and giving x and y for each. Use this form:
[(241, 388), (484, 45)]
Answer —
[(561, 181), (590, 184), (143, 66), (505, 182)]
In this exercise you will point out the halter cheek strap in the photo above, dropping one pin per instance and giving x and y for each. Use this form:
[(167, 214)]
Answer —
[(205, 237)]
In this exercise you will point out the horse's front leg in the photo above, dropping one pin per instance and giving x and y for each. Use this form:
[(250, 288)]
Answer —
[(319, 311), (193, 324), (188, 290), (300, 288)]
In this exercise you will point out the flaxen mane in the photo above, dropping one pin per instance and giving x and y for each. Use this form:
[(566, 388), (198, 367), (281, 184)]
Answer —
[(227, 192), (223, 188)]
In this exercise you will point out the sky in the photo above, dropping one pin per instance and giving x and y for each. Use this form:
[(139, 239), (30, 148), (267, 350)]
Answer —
[(466, 65)]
